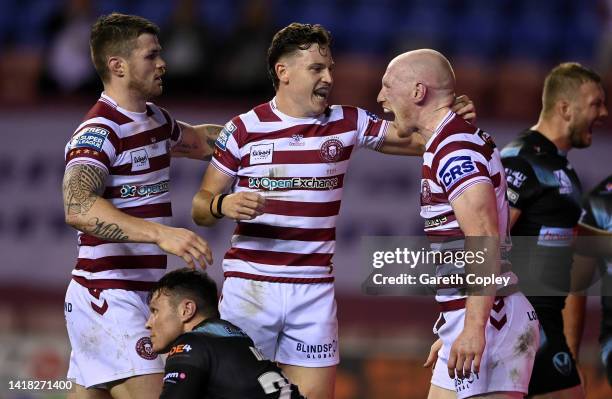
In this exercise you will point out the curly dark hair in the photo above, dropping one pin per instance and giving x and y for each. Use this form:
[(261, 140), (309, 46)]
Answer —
[(116, 34), (295, 36), (192, 284)]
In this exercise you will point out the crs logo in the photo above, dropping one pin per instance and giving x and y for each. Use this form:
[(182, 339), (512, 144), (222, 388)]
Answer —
[(456, 168)]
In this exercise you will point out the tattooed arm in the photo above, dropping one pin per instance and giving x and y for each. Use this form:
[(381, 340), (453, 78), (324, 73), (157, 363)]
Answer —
[(87, 211), (197, 142)]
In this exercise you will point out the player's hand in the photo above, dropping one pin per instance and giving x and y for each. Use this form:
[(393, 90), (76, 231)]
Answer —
[(243, 205), (466, 353), (464, 107), (185, 244), (433, 354)]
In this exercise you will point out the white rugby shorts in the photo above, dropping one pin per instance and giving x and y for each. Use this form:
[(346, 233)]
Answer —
[(108, 336), (289, 323), (512, 340)]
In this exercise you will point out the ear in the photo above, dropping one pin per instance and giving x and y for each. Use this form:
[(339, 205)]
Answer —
[(564, 109), (282, 72), (116, 66), (419, 93), (187, 309)]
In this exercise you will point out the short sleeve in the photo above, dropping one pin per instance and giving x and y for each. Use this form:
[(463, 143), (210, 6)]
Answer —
[(187, 369), (457, 168), (92, 144), (226, 156), (522, 181), (371, 130), (175, 129)]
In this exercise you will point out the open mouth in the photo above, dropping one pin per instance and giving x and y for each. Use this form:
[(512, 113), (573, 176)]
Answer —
[(388, 110), (321, 93)]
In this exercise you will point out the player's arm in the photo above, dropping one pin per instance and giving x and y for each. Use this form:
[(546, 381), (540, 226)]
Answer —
[(414, 144), (186, 373), (206, 210), (87, 211), (196, 142), (476, 212), (592, 244)]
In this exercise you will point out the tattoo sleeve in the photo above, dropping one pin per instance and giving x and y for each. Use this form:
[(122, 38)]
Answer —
[(82, 186), (108, 231)]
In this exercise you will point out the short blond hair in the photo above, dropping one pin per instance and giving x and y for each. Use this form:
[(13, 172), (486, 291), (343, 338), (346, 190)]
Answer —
[(564, 81)]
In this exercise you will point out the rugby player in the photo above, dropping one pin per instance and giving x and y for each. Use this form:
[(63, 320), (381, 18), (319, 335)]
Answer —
[(545, 196), (117, 195), (487, 339), (285, 163)]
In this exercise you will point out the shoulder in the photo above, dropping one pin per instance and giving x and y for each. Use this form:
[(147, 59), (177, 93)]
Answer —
[(522, 146), (218, 328)]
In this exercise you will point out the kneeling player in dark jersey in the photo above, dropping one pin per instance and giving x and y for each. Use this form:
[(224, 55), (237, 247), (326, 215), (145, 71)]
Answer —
[(207, 357)]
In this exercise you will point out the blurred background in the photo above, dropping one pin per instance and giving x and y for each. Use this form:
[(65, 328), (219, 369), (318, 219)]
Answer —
[(215, 51)]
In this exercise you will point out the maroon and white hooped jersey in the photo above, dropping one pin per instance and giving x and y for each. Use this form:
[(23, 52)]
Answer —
[(457, 156), (135, 150), (299, 165)]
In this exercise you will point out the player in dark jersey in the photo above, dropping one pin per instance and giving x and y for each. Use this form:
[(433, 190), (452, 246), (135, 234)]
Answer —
[(207, 357), (596, 221), (544, 193)]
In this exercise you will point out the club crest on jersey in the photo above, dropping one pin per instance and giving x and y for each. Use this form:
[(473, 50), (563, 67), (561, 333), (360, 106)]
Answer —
[(144, 348), (331, 150), (455, 168), (140, 160), (225, 134), (90, 137), (261, 154)]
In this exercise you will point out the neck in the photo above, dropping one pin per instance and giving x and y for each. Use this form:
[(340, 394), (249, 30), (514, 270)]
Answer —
[(555, 131), (190, 325), (289, 106), (125, 98), (429, 120)]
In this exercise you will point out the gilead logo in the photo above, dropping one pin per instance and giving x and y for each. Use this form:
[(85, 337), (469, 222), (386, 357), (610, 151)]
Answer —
[(261, 154)]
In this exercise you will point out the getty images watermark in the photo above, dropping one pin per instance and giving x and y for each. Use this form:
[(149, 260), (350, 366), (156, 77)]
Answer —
[(412, 265), (435, 258)]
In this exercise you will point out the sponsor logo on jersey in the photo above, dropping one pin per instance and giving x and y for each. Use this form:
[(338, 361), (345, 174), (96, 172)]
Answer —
[(293, 183), (297, 140), (173, 377), (183, 348), (512, 195), (435, 222), (515, 178), (261, 154), (455, 168), (129, 190), (318, 351), (225, 134), (140, 160), (90, 137), (555, 236), (565, 184), (144, 348), (425, 192), (331, 150), (563, 363)]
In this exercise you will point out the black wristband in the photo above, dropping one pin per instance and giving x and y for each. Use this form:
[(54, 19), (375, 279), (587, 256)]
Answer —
[(211, 210), (219, 202)]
